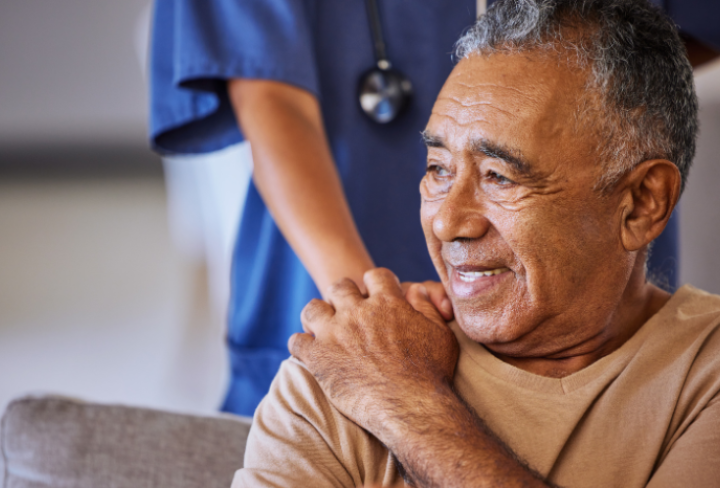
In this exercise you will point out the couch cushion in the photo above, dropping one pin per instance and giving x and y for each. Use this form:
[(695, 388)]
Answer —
[(58, 442)]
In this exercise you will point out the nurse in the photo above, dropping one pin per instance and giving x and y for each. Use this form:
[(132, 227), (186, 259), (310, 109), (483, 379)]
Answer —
[(334, 192)]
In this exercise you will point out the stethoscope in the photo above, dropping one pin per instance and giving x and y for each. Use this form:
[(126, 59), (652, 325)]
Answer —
[(383, 92)]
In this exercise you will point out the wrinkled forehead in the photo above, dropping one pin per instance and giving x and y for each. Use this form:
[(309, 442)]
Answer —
[(526, 91)]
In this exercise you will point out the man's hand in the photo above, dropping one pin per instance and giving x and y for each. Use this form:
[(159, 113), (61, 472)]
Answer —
[(378, 354), (386, 361), (436, 293)]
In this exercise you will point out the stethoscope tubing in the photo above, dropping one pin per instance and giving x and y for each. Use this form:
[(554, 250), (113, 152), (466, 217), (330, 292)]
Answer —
[(377, 34)]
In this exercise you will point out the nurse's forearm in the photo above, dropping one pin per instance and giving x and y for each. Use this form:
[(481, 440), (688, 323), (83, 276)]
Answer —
[(296, 176)]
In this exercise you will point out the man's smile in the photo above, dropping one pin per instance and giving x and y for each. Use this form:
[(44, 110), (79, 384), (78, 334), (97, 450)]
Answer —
[(469, 281), (470, 276)]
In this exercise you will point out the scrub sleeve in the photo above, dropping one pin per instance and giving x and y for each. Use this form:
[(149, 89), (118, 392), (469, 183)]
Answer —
[(199, 44)]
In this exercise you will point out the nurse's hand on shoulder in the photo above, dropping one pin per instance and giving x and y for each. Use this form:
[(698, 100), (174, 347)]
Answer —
[(378, 354)]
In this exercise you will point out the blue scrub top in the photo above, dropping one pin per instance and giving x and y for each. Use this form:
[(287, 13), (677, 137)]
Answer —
[(322, 46)]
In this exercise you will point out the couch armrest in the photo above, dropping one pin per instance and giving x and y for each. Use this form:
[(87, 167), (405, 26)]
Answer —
[(53, 442)]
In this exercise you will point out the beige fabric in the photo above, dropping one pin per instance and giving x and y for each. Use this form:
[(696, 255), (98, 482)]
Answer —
[(646, 415)]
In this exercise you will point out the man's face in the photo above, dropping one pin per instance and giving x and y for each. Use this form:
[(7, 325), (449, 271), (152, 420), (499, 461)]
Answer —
[(529, 252)]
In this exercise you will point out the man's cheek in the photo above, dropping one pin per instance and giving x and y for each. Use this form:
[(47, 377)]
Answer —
[(428, 210)]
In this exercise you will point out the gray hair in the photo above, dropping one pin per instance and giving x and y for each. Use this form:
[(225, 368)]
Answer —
[(640, 71)]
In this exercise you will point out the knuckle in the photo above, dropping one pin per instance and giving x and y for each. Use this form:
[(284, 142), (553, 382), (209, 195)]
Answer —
[(294, 344), (383, 274), (301, 346), (312, 310), (341, 286)]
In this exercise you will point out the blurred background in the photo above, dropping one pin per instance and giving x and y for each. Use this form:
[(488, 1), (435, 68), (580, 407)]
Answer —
[(103, 290), (106, 292)]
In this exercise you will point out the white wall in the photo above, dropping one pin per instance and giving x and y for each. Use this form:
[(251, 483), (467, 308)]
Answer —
[(69, 72), (96, 303), (700, 205)]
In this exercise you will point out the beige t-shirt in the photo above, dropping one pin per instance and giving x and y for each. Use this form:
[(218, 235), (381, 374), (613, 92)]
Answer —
[(646, 415)]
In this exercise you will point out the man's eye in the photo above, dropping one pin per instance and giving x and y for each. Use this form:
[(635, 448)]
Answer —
[(498, 178), (437, 170)]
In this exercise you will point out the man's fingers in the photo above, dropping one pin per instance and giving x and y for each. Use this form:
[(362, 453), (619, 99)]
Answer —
[(382, 280), (314, 315), (438, 297), (344, 293), (419, 298), (300, 345)]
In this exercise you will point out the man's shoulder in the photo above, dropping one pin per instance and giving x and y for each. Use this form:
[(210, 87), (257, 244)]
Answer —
[(296, 396), (697, 315), (297, 422), (684, 349), (685, 330), (297, 386), (694, 301), (691, 315)]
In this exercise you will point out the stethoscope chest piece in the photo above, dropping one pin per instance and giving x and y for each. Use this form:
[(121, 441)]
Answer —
[(384, 93)]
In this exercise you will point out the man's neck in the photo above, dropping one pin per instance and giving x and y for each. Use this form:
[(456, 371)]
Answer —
[(632, 313)]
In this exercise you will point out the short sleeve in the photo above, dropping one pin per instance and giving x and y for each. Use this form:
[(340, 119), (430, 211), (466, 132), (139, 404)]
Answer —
[(299, 439), (197, 45)]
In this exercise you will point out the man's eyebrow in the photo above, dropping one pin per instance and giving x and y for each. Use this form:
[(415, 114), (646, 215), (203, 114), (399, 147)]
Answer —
[(432, 140), (490, 149), (497, 151)]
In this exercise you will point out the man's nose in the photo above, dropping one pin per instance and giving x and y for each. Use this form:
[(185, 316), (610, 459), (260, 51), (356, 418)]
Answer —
[(462, 213)]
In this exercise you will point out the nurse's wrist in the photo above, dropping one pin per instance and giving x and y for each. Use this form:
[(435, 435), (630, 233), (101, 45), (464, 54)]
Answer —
[(353, 272)]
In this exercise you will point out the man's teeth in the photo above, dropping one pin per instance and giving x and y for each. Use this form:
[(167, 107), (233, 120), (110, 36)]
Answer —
[(474, 275)]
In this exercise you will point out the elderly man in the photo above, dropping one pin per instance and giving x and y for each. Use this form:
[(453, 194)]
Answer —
[(557, 150)]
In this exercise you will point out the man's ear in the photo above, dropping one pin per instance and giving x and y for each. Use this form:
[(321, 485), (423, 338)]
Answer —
[(652, 189)]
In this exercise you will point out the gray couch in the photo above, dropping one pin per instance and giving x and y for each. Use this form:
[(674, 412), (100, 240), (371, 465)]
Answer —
[(50, 441)]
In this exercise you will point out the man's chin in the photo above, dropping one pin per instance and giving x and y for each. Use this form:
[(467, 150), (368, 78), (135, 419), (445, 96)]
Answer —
[(491, 327)]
